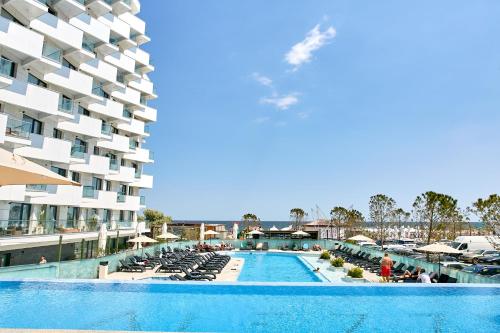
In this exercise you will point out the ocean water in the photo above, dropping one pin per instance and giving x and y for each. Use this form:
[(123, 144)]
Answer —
[(248, 308)]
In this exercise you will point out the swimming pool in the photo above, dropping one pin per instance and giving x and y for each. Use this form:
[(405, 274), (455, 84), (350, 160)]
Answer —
[(162, 306), (274, 267)]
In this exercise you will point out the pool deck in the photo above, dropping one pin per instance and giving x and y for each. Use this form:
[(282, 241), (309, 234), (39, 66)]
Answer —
[(230, 273)]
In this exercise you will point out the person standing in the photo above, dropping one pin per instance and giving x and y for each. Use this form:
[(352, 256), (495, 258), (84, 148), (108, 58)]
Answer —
[(385, 268)]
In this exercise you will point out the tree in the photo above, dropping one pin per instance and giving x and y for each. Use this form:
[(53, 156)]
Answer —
[(431, 209), (250, 220), (297, 216), (381, 212), (155, 219), (488, 210), (338, 219), (355, 221), (400, 216)]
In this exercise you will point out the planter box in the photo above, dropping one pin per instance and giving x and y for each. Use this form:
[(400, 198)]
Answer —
[(336, 269), (354, 280)]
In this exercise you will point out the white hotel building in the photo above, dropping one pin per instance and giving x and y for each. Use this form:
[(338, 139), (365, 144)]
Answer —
[(74, 90)]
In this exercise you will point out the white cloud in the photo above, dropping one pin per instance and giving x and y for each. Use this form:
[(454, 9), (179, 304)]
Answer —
[(261, 120), (301, 52), (262, 79), (281, 102)]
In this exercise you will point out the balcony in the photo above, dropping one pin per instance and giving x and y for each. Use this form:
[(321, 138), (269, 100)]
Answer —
[(121, 6), (146, 181), (142, 200), (140, 155), (128, 96), (46, 148), (132, 144), (59, 196), (7, 69), (69, 8), (82, 125), (120, 198), (18, 128), (10, 35), (118, 142), (124, 225), (36, 188), (61, 34), (105, 129), (146, 113), (14, 227), (127, 113), (92, 27), (138, 173), (65, 105), (99, 69), (134, 126), (95, 164), (78, 151), (113, 165), (117, 26), (121, 61), (151, 155), (30, 9), (89, 192), (107, 108), (98, 7), (70, 81), (124, 175), (52, 53)]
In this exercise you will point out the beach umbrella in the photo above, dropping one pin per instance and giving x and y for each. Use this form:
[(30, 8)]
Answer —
[(164, 228), (273, 228), (202, 232), (142, 239), (360, 238), (235, 231), (439, 249), (211, 233), (102, 237), (255, 232), (167, 235), (301, 234), (17, 170)]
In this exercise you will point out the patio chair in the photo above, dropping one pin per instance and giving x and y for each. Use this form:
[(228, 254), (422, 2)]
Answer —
[(258, 246), (124, 267), (265, 246), (305, 247)]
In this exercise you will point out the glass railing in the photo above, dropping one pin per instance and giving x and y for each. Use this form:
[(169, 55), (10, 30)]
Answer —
[(124, 224), (120, 78), (97, 90), (18, 128), (51, 52), (138, 173), (143, 101), (14, 227), (127, 113), (127, 2), (45, 2), (132, 144), (120, 198), (88, 45), (146, 129), (81, 1), (78, 151), (142, 200), (106, 129), (151, 155), (7, 67), (114, 40), (113, 164), (36, 188), (65, 105), (89, 192)]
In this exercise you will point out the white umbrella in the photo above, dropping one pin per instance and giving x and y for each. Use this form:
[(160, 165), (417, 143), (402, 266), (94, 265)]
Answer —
[(255, 232), (211, 233), (142, 239), (273, 228), (287, 228), (167, 236), (17, 170), (438, 248), (301, 233), (235, 231), (164, 228), (202, 232), (360, 238), (103, 237)]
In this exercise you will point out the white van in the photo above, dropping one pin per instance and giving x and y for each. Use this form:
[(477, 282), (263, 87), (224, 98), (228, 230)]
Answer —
[(466, 244)]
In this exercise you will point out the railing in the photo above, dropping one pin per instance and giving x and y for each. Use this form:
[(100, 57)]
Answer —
[(132, 144), (18, 128), (14, 227), (44, 2), (142, 200), (81, 1), (127, 113), (151, 155), (106, 129), (36, 188), (146, 129), (89, 192), (114, 40), (65, 105), (78, 151), (120, 78), (124, 225), (7, 67), (113, 164), (88, 45), (52, 53), (97, 90), (127, 2), (138, 173), (143, 101), (120, 198)]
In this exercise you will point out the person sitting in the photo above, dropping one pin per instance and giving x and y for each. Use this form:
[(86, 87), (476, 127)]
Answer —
[(411, 275), (43, 260), (424, 277), (316, 270)]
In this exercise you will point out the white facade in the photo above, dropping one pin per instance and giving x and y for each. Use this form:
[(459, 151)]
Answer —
[(73, 98)]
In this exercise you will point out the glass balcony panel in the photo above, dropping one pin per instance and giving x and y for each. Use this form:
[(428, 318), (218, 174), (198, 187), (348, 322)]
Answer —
[(51, 52), (124, 224), (88, 45), (146, 129), (106, 129), (7, 67), (138, 173), (132, 144), (78, 151), (120, 198), (14, 227), (89, 192), (142, 200), (113, 164), (36, 188), (18, 128), (151, 155), (127, 113), (65, 104)]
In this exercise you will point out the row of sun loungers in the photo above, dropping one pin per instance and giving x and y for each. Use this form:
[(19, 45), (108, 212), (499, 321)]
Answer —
[(194, 265), (372, 264)]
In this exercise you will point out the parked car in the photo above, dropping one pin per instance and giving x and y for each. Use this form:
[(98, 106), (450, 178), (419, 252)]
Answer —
[(489, 270), (454, 264), (475, 255), (493, 259)]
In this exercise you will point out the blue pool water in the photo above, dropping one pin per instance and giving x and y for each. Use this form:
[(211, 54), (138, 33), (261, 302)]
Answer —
[(274, 267), (248, 308)]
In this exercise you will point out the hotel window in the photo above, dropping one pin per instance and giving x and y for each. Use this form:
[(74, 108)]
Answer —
[(35, 126), (57, 134), (7, 67), (96, 151), (72, 217), (36, 81), (97, 183), (83, 111), (106, 217), (108, 185), (75, 176), (59, 171)]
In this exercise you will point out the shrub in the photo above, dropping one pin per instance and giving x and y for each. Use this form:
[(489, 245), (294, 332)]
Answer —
[(355, 272), (325, 255), (337, 262)]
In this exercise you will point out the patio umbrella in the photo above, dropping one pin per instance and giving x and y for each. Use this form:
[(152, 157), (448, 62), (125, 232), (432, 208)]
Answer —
[(142, 239), (255, 232), (17, 170), (202, 232), (360, 238), (235, 231), (211, 233), (301, 234), (439, 249), (273, 228), (103, 237), (167, 235)]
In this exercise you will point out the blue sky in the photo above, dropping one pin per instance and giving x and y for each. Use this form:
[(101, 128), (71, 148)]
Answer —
[(269, 105)]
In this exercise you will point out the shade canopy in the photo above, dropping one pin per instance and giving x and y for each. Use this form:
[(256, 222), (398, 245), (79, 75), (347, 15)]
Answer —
[(438, 248), (361, 238), (255, 232), (211, 232), (273, 228), (167, 235), (142, 239), (17, 170), (287, 228), (300, 233)]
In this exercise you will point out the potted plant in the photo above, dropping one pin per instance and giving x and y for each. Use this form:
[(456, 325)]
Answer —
[(325, 255), (355, 274), (337, 264)]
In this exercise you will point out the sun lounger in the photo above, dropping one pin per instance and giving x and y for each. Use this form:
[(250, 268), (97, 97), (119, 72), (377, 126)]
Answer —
[(265, 246), (125, 267), (258, 246), (305, 247)]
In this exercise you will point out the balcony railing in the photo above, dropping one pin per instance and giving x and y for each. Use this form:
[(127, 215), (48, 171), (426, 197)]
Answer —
[(14, 227), (106, 129), (51, 52), (7, 67), (143, 101), (44, 2), (120, 197), (127, 2), (36, 188), (18, 128), (142, 200), (124, 225), (78, 151), (151, 155), (65, 105), (132, 144), (88, 45), (127, 113), (113, 164), (138, 173), (97, 90), (89, 192)]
